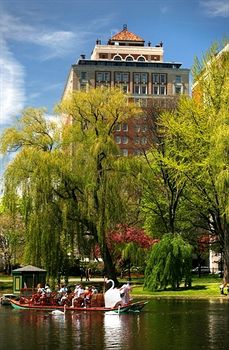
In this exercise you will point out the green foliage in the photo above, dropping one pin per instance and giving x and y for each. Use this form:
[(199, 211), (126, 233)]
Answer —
[(67, 178), (169, 262)]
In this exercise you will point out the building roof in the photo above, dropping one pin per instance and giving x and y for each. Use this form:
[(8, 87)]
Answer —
[(125, 35), (29, 268)]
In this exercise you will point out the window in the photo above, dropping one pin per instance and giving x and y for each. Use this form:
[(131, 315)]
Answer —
[(117, 127), (163, 78), (122, 80), (103, 77), (178, 79), (117, 58), (162, 90), (178, 90), (129, 58), (156, 90), (140, 83), (137, 89), (121, 77), (125, 140), (141, 78), (118, 140), (125, 152), (83, 75), (144, 78), (125, 127), (159, 83), (144, 89), (125, 88), (141, 58), (136, 78), (155, 78)]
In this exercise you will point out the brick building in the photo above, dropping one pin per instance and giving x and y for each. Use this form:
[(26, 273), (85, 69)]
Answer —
[(139, 70)]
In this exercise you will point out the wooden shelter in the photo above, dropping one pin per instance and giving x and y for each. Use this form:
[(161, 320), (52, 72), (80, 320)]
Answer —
[(27, 277)]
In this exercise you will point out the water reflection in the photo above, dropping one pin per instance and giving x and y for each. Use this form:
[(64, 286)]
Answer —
[(163, 324)]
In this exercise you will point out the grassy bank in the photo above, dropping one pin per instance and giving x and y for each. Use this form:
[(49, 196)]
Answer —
[(204, 287), (6, 282)]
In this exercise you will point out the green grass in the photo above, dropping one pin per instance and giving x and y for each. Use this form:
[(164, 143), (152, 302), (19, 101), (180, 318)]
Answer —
[(204, 287), (6, 282)]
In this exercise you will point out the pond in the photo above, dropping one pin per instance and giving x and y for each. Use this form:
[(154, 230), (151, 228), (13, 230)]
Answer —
[(164, 324)]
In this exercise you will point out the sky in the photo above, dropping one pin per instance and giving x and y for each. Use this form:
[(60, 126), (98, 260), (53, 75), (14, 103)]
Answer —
[(41, 39)]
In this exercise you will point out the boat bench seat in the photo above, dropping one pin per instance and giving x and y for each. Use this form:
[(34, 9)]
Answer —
[(97, 300)]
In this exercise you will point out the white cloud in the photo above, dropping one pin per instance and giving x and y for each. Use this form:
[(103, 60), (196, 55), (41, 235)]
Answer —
[(56, 43), (12, 93), (216, 8), (12, 73)]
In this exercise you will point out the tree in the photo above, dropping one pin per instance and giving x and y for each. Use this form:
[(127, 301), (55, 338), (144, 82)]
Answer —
[(93, 116), (69, 178), (11, 238), (198, 135), (129, 245), (169, 261), (29, 182)]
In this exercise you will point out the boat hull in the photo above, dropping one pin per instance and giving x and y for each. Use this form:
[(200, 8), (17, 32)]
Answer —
[(134, 307)]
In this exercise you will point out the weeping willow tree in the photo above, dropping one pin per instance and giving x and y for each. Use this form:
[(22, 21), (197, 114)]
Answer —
[(29, 182), (68, 179), (93, 117), (170, 261)]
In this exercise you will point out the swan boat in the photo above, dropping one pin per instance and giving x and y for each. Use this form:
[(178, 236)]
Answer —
[(131, 307), (109, 301)]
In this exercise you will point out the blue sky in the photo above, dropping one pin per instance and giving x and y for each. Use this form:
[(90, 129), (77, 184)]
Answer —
[(40, 39)]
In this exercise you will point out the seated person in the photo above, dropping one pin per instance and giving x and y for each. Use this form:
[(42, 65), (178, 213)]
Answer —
[(125, 293), (87, 295), (47, 290), (78, 294), (64, 299), (63, 289)]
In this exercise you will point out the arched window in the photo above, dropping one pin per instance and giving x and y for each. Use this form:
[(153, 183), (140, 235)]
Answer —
[(141, 58), (129, 58), (117, 58)]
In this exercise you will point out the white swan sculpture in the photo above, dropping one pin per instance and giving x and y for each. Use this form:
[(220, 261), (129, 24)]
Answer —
[(59, 312), (112, 295)]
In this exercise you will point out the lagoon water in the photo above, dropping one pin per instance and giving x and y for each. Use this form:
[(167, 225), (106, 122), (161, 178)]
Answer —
[(162, 325)]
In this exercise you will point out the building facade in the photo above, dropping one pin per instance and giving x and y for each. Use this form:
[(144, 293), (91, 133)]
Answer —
[(139, 70)]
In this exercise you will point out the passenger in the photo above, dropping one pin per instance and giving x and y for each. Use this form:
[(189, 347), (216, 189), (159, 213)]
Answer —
[(40, 289), (64, 299), (94, 290), (63, 289), (47, 290), (87, 296), (125, 293), (78, 293)]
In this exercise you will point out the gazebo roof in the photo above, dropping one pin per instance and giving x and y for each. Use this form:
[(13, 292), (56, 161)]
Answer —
[(29, 268)]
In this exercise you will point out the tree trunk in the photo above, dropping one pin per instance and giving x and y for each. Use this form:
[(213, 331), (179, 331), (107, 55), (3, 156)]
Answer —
[(108, 265)]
